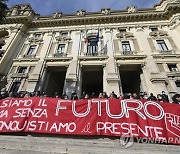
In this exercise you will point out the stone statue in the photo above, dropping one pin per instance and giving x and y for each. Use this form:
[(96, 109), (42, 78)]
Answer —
[(81, 13), (106, 11), (132, 9)]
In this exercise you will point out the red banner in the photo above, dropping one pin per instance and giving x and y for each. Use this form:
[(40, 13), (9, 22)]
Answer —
[(111, 117)]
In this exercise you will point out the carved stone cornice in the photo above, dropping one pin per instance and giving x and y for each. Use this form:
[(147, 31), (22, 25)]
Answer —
[(97, 17)]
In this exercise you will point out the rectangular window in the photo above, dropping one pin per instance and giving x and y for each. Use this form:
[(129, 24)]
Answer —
[(61, 48), (15, 86), (172, 67), (22, 70), (126, 46), (154, 29), (31, 50), (64, 33), (162, 45), (92, 47), (122, 30)]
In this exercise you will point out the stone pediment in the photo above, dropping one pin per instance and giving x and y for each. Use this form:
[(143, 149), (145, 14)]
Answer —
[(124, 35), (158, 33)]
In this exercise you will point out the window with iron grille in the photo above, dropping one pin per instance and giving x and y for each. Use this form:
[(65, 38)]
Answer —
[(92, 47)]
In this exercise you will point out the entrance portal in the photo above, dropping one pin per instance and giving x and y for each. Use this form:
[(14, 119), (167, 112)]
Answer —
[(130, 78), (92, 80), (55, 80)]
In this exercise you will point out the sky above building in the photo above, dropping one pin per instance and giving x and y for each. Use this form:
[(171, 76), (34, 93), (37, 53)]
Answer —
[(48, 7)]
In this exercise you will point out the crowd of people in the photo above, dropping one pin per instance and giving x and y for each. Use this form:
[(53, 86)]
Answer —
[(163, 97)]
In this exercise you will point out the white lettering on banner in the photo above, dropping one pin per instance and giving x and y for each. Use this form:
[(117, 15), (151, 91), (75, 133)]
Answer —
[(69, 127), (12, 103), (26, 112), (136, 110), (81, 114), (59, 107), (128, 128), (4, 113), (99, 105), (42, 102), (37, 125), (149, 114), (124, 110)]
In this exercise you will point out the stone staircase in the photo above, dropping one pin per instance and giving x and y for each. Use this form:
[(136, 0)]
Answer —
[(10, 144)]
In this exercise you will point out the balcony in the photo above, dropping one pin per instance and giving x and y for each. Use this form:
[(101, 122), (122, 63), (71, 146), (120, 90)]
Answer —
[(173, 74), (19, 75), (128, 52), (94, 56), (166, 54), (29, 56), (130, 55), (166, 51), (60, 55)]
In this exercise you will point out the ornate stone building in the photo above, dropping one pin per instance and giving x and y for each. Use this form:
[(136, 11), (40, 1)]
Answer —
[(124, 51)]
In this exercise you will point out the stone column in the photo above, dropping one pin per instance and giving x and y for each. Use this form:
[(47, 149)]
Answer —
[(144, 87), (36, 78), (73, 69), (112, 78), (10, 48), (154, 79)]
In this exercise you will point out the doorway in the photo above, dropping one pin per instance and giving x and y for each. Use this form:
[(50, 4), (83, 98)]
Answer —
[(54, 81), (92, 80), (130, 78)]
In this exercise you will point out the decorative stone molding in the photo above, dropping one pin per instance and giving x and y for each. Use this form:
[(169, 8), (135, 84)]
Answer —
[(63, 38), (19, 75), (125, 35), (132, 9), (106, 11), (57, 15), (158, 34), (81, 12), (35, 39), (172, 1)]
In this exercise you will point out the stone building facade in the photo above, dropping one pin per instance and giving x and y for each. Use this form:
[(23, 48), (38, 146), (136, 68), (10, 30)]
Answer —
[(123, 51)]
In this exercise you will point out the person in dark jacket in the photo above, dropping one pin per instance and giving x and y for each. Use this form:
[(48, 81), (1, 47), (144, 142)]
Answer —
[(152, 97), (176, 99), (164, 97)]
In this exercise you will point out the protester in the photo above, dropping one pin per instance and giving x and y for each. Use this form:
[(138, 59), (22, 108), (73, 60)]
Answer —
[(152, 97), (176, 99), (164, 97)]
